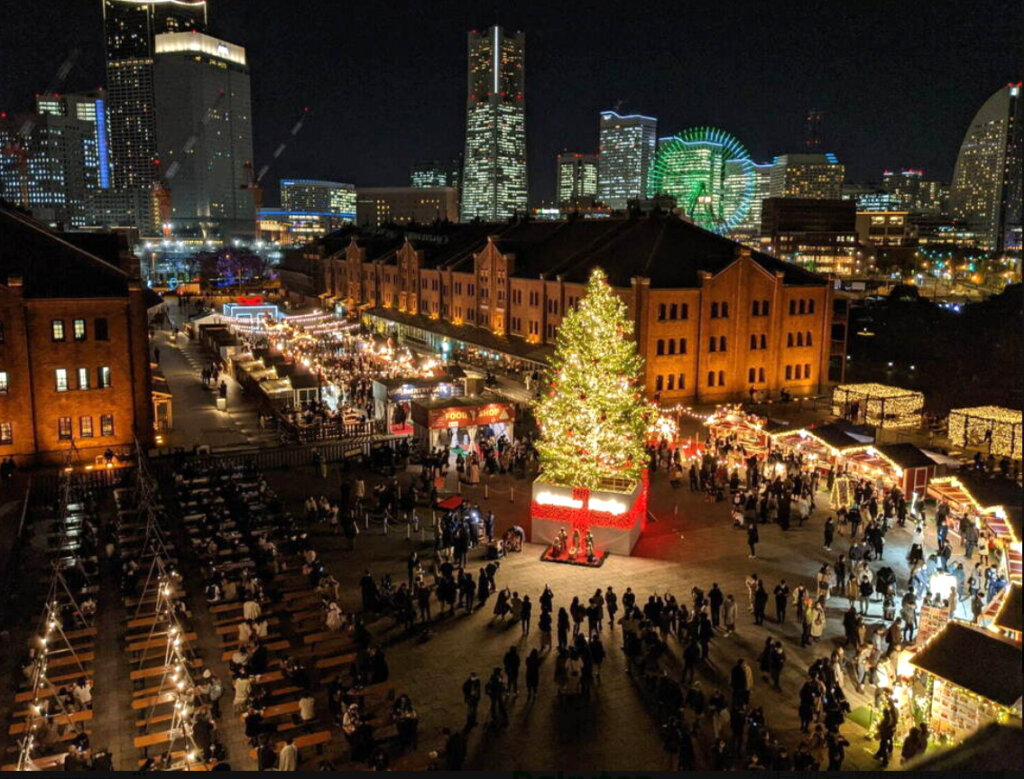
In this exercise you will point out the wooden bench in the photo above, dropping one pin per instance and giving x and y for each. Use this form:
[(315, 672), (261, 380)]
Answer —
[(149, 673), (60, 719), (148, 622), (226, 630), (335, 661), (57, 681), (317, 740), (272, 646), (236, 605), (44, 763), (70, 659)]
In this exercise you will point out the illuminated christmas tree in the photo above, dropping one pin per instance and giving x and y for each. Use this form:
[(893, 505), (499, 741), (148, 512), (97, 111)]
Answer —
[(593, 418)]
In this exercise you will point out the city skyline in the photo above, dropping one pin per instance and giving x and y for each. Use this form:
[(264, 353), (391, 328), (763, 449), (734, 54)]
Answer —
[(764, 105)]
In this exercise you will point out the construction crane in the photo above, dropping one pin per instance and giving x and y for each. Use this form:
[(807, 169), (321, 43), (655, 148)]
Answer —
[(162, 183), (254, 180), (18, 146)]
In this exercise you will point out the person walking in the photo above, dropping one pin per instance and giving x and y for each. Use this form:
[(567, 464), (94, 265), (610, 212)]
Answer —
[(533, 661), (471, 696)]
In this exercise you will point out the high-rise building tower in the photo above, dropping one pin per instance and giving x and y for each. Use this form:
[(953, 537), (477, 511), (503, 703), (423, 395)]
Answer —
[(914, 192), (204, 133), (809, 176), (494, 173), (986, 188), (575, 177), (435, 173), (628, 144), (130, 29)]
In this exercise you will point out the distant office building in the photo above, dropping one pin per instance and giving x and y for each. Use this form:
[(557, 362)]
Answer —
[(494, 176), (884, 228), (88, 107), (376, 206), (738, 174), (324, 197), (204, 133), (575, 177), (628, 145), (916, 193), (49, 167), (283, 226), (812, 176), (986, 189), (130, 30), (436, 173), (877, 201), (818, 234)]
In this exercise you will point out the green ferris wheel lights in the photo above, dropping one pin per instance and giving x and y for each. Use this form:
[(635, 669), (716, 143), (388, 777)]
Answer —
[(709, 173)]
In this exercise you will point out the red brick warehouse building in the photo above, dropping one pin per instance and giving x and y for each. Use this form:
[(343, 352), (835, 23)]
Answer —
[(74, 353), (712, 318)]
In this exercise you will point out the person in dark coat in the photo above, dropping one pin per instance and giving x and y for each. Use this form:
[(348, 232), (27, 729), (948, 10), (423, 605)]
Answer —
[(760, 603)]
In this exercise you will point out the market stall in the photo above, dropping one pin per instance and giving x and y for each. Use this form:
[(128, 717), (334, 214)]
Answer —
[(455, 422), (878, 405), (1009, 614), (998, 429), (821, 446), (749, 431), (893, 465), (995, 501), (967, 677)]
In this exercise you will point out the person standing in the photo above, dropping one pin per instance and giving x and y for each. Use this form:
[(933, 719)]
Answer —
[(288, 757), (525, 614), (715, 600), (760, 603), (512, 662), (471, 695), (611, 601), (729, 615), (741, 680), (496, 691), (829, 532), (544, 625), (777, 662), (752, 539), (781, 601), (837, 745), (751, 583)]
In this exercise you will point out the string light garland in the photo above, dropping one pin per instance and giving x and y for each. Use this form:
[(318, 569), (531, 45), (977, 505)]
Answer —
[(1001, 427), (593, 420), (879, 404)]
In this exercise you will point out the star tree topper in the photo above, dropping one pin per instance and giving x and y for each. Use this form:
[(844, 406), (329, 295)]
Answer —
[(593, 419)]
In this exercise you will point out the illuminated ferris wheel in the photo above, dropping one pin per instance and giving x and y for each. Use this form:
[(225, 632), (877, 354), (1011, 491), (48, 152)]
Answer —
[(709, 173)]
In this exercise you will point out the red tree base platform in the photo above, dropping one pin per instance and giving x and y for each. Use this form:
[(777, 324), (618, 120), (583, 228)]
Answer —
[(549, 556)]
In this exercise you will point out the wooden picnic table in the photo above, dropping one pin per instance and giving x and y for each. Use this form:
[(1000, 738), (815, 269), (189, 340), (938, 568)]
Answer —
[(60, 719)]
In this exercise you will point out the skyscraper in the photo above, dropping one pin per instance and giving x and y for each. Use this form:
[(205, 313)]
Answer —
[(322, 197), (915, 193), (494, 173), (811, 176), (986, 189), (575, 177), (435, 173), (627, 151), (204, 132), (130, 28)]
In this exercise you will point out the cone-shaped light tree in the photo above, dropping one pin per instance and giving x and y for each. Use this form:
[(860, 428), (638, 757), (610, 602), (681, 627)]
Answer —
[(593, 419)]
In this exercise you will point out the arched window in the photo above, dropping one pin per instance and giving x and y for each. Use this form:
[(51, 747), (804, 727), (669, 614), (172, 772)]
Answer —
[(756, 308), (712, 344), (810, 306), (682, 347), (673, 311), (721, 343), (671, 345), (661, 346), (764, 341), (789, 339), (658, 382), (725, 310), (753, 341), (807, 339), (711, 378), (799, 339), (721, 378), (671, 382), (714, 311), (764, 308), (661, 311)]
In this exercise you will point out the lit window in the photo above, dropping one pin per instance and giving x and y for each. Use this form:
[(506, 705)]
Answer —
[(64, 428), (83, 378), (57, 327), (6, 433), (78, 329), (85, 427), (3, 382), (106, 424), (61, 377)]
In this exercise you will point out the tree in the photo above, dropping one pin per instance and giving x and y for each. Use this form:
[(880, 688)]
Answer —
[(593, 418)]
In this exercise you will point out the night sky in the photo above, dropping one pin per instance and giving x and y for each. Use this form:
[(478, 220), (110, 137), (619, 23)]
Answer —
[(898, 81)]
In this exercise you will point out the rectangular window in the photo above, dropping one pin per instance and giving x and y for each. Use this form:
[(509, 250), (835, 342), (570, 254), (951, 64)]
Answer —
[(104, 376), (712, 344), (682, 381), (57, 327), (64, 428), (760, 374), (764, 308), (725, 310), (659, 383), (682, 346), (807, 370), (789, 373), (3, 383), (83, 378), (661, 311), (85, 427), (671, 382), (810, 306), (6, 433), (61, 377), (673, 312), (756, 308), (792, 307), (78, 329), (1, 332), (721, 343), (684, 311), (752, 375), (107, 424)]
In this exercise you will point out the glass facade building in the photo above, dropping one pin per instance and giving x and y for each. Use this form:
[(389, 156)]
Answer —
[(575, 177), (130, 29), (810, 176), (628, 144), (494, 183), (313, 196), (986, 190), (204, 133)]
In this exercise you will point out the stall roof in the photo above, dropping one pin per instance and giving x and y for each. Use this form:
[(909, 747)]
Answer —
[(475, 336), (463, 402), (996, 673), (905, 455), (991, 491), (414, 381), (1011, 612), (833, 435), (303, 380)]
